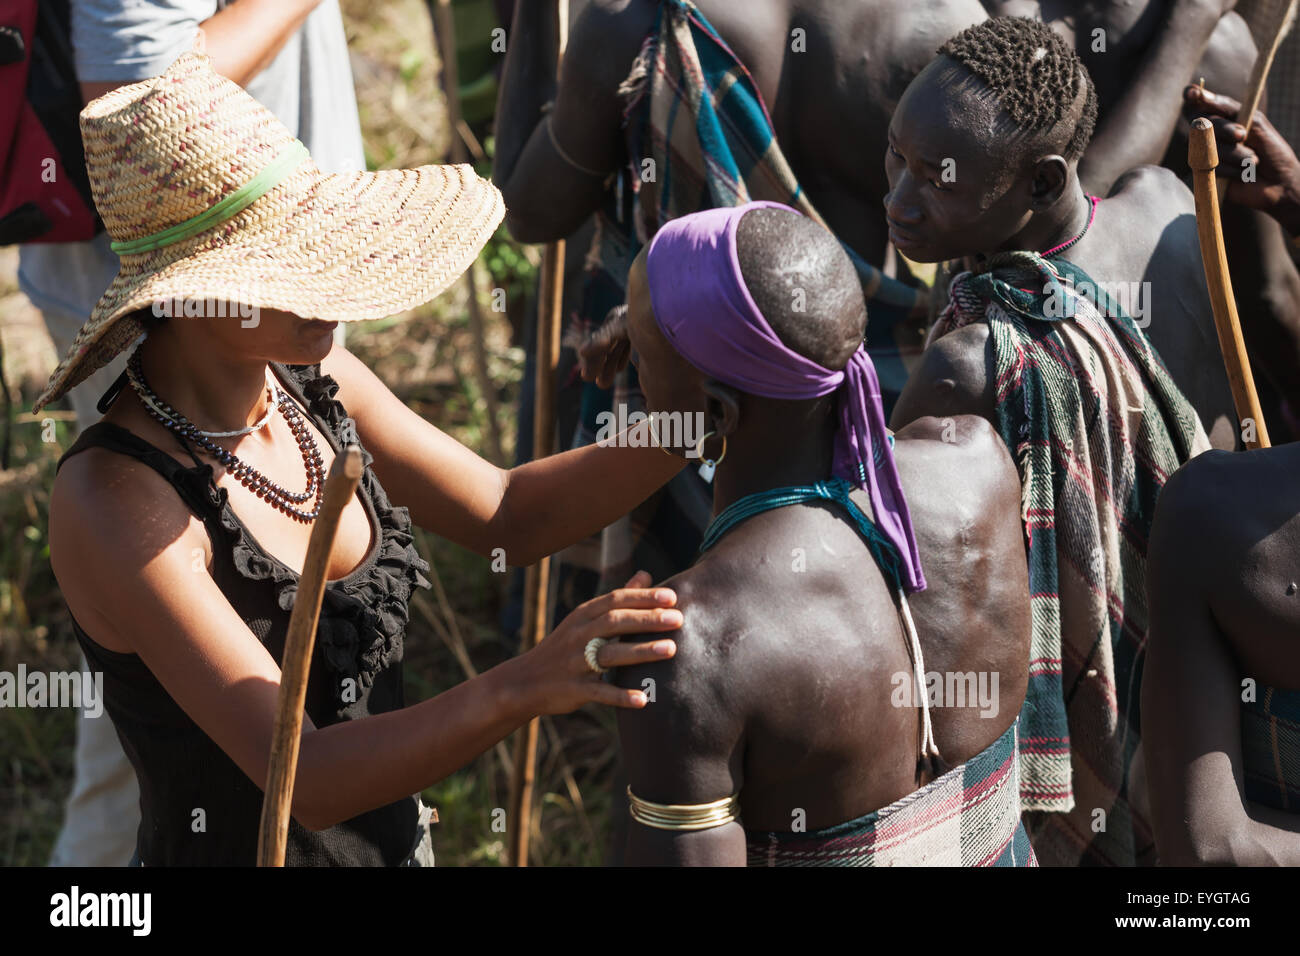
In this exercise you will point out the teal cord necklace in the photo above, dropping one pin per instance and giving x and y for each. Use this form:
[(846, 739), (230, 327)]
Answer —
[(887, 559), (832, 489)]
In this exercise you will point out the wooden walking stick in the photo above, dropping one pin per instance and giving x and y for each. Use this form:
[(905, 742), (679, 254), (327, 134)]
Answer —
[(1203, 157), (1272, 21), (537, 579), (340, 486)]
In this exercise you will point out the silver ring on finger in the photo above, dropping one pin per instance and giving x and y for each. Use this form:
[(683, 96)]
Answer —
[(589, 654)]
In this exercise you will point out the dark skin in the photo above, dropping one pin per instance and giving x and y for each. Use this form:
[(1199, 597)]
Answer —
[(1147, 52), (135, 564), (1153, 49), (763, 646), (1218, 515), (1275, 190), (1027, 195), (1221, 573), (832, 109), (830, 105)]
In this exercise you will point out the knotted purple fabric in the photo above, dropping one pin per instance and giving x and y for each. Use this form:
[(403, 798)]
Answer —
[(705, 310)]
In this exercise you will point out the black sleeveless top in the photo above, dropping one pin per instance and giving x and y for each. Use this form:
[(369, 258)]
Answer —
[(187, 783)]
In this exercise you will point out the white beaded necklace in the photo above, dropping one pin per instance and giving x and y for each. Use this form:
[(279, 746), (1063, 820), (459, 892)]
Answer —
[(273, 399)]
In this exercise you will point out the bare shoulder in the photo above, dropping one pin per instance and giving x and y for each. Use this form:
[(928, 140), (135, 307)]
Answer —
[(960, 354), (952, 379), (1210, 512), (1229, 57), (370, 403), (110, 516), (958, 461), (1154, 188), (1159, 212), (708, 615), (357, 383), (607, 37)]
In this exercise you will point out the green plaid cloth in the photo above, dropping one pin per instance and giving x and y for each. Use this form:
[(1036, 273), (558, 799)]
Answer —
[(1270, 745), (1096, 427)]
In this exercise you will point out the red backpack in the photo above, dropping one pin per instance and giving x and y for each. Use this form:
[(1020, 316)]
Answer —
[(44, 190)]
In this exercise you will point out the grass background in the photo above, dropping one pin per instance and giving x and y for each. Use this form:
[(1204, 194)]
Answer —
[(426, 358)]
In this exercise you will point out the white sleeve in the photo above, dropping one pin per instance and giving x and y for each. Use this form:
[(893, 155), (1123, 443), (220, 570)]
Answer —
[(127, 40)]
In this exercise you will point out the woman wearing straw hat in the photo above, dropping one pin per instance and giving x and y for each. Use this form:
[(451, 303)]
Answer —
[(178, 522)]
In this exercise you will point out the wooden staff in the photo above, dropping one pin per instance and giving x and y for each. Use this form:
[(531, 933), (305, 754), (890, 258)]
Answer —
[(537, 579), (1203, 157), (340, 486), (1271, 23)]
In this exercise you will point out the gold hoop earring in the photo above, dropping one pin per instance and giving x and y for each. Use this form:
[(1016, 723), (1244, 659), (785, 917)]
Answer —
[(710, 465)]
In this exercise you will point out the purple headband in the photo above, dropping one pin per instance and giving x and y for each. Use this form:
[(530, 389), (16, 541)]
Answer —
[(704, 309)]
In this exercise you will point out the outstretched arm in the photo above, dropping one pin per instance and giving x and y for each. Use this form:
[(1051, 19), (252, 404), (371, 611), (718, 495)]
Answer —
[(1191, 702), (548, 196), (529, 511), (123, 547)]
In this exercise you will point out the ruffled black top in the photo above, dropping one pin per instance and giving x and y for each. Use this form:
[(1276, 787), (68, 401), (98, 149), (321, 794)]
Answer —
[(197, 806)]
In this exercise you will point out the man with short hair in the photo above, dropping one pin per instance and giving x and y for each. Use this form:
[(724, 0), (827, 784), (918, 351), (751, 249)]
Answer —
[(667, 107), (1040, 339), (837, 573)]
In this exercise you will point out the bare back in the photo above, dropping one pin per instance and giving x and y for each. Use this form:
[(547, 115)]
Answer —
[(1225, 613), (830, 74), (788, 616)]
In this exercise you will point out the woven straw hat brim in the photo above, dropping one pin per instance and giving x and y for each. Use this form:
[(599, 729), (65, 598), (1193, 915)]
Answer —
[(340, 248)]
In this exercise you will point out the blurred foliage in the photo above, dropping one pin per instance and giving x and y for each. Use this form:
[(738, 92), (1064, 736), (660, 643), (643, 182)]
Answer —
[(36, 746)]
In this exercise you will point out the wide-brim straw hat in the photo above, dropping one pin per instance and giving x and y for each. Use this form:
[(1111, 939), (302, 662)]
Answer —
[(209, 197)]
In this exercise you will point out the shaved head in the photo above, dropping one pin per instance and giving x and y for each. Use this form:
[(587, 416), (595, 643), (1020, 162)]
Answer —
[(803, 283)]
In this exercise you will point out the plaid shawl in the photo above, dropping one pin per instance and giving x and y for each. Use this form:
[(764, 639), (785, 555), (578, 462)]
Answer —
[(1096, 426), (968, 817), (1270, 748), (701, 120)]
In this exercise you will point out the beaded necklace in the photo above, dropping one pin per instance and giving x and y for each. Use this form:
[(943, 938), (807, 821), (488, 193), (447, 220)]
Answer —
[(1092, 214), (273, 493)]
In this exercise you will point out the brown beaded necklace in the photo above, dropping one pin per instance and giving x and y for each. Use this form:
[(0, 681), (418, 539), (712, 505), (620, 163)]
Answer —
[(262, 486)]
